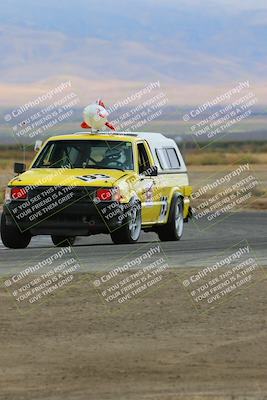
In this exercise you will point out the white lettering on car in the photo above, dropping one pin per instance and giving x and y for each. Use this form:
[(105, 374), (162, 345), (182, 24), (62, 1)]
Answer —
[(93, 177)]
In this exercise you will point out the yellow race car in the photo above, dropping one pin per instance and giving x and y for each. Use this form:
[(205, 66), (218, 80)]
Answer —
[(88, 183)]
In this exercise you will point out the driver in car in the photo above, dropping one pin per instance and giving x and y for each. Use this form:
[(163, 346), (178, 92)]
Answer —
[(116, 158)]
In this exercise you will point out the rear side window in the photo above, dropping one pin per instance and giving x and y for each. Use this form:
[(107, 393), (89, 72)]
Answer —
[(173, 158), (168, 158)]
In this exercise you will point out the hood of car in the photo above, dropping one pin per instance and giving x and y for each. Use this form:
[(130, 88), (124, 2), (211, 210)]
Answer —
[(68, 177)]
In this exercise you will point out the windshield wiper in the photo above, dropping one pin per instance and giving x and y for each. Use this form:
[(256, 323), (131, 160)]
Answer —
[(119, 169), (104, 167)]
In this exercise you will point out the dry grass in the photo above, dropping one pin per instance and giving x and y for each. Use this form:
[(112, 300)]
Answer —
[(9, 155), (196, 157)]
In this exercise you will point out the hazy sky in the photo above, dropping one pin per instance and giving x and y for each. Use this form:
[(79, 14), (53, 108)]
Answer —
[(183, 42)]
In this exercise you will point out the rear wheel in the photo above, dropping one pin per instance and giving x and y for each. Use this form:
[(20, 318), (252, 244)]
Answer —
[(63, 241), (130, 231), (173, 229), (12, 237)]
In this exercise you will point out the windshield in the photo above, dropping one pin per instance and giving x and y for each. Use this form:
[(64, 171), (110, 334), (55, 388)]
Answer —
[(109, 154)]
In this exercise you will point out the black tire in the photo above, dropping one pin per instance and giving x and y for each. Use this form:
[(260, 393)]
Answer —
[(12, 237), (63, 241), (130, 231), (173, 229)]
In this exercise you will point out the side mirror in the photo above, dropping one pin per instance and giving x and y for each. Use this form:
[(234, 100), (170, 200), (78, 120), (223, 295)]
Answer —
[(19, 168)]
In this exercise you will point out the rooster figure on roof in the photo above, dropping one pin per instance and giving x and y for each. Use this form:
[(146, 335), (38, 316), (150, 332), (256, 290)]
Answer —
[(95, 116)]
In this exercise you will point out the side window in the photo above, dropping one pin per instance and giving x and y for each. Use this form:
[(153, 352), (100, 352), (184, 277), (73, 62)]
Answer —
[(173, 158), (163, 159), (143, 160), (168, 158)]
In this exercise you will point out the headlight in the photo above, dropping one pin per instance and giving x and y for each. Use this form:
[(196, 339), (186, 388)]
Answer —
[(16, 193), (19, 193), (104, 194)]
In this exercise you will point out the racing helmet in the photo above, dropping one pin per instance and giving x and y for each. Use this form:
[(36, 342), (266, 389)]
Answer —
[(115, 156)]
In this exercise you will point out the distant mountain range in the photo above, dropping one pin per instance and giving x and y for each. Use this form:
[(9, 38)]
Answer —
[(190, 46)]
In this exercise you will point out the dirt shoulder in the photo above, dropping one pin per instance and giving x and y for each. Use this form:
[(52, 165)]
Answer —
[(158, 347)]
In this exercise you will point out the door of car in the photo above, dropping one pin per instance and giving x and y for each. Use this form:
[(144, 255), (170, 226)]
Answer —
[(146, 185)]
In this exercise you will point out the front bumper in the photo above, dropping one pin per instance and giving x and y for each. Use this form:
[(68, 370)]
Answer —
[(79, 214)]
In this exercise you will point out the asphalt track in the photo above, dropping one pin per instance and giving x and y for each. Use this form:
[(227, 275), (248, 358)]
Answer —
[(97, 253)]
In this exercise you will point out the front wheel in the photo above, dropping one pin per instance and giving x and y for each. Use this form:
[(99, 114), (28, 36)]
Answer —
[(130, 231), (12, 237), (173, 229), (63, 241)]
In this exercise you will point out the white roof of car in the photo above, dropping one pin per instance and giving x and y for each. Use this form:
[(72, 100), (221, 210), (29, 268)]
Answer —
[(156, 138)]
